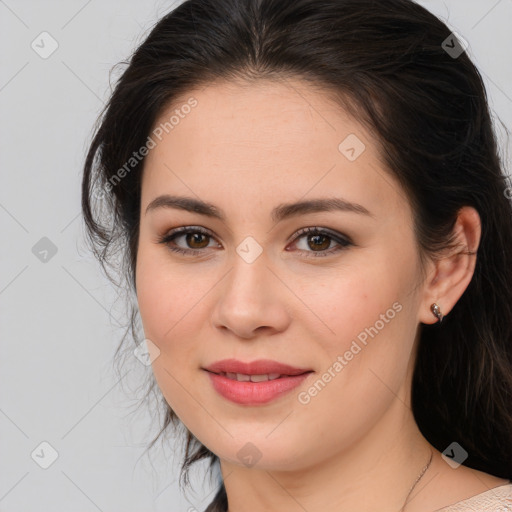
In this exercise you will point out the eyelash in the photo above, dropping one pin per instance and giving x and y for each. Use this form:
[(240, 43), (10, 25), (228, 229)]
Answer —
[(344, 242)]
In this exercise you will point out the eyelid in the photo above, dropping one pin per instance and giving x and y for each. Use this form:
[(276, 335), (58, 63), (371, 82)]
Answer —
[(184, 230), (321, 231), (342, 240)]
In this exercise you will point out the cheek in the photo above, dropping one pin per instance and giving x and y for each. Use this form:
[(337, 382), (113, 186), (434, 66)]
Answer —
[(172, 301), (154, 299), (166, 296), (355, 306), (369, 330), (364, 362), (169, 306)]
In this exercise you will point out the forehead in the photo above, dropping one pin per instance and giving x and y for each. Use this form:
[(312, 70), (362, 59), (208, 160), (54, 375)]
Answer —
[(260, 113), (263, 139)]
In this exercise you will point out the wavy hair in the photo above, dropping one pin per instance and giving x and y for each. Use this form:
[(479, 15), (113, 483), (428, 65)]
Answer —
[(388, 64)]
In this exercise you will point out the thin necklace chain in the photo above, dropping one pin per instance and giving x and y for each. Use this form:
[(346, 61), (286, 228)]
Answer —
[(417, 480), (415, 483)]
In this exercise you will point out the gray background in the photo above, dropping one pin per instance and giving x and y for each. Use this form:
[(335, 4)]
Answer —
[(59, 317)]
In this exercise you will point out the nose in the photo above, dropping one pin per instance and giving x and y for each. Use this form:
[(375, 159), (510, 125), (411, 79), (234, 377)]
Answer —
[(252, 299)]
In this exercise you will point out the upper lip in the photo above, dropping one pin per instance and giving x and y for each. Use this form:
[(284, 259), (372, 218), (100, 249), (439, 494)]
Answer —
[(258, 367)]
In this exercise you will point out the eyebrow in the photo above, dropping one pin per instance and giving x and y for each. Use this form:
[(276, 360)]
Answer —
[(279, 213)]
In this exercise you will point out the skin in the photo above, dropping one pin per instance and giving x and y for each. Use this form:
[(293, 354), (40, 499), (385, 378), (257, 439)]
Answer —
[(247, 149)]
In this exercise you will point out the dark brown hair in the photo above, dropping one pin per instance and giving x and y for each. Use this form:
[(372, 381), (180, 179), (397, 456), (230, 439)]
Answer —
[(388, 64)]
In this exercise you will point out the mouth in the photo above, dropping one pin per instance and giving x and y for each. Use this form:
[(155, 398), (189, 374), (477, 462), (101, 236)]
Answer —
[(242, 377), (255, 383), (258, 369)]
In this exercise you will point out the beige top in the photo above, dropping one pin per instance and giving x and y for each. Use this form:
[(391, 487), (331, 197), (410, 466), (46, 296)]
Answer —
[(498, 499)]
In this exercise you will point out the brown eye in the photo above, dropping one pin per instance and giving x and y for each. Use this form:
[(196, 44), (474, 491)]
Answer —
[(196, 240), (318, 240)]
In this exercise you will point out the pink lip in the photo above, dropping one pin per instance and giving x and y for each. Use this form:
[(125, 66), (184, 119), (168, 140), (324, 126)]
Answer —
[(258, 367), (253, 393)]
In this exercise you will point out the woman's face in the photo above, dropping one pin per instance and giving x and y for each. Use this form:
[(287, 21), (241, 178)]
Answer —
[(254, 287)]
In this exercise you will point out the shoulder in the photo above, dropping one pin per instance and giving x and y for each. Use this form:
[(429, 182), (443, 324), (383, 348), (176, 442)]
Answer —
[(463, 489), (498, 499)]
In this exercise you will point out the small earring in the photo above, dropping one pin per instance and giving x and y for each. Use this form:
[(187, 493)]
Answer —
[(437, 312)]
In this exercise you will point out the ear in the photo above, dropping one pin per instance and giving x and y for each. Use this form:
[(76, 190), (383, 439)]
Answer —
[(449, 277)]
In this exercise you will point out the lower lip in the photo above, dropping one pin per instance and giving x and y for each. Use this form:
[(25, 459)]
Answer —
[(253, 393)]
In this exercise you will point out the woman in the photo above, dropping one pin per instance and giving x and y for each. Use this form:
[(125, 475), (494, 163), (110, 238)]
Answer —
[(315, 220)]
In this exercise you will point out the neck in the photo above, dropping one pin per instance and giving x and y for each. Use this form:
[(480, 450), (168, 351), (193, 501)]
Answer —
[(376, 472)]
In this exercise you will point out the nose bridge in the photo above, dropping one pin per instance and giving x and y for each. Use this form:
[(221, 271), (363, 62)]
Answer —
[(249, 297), (250, 272)]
